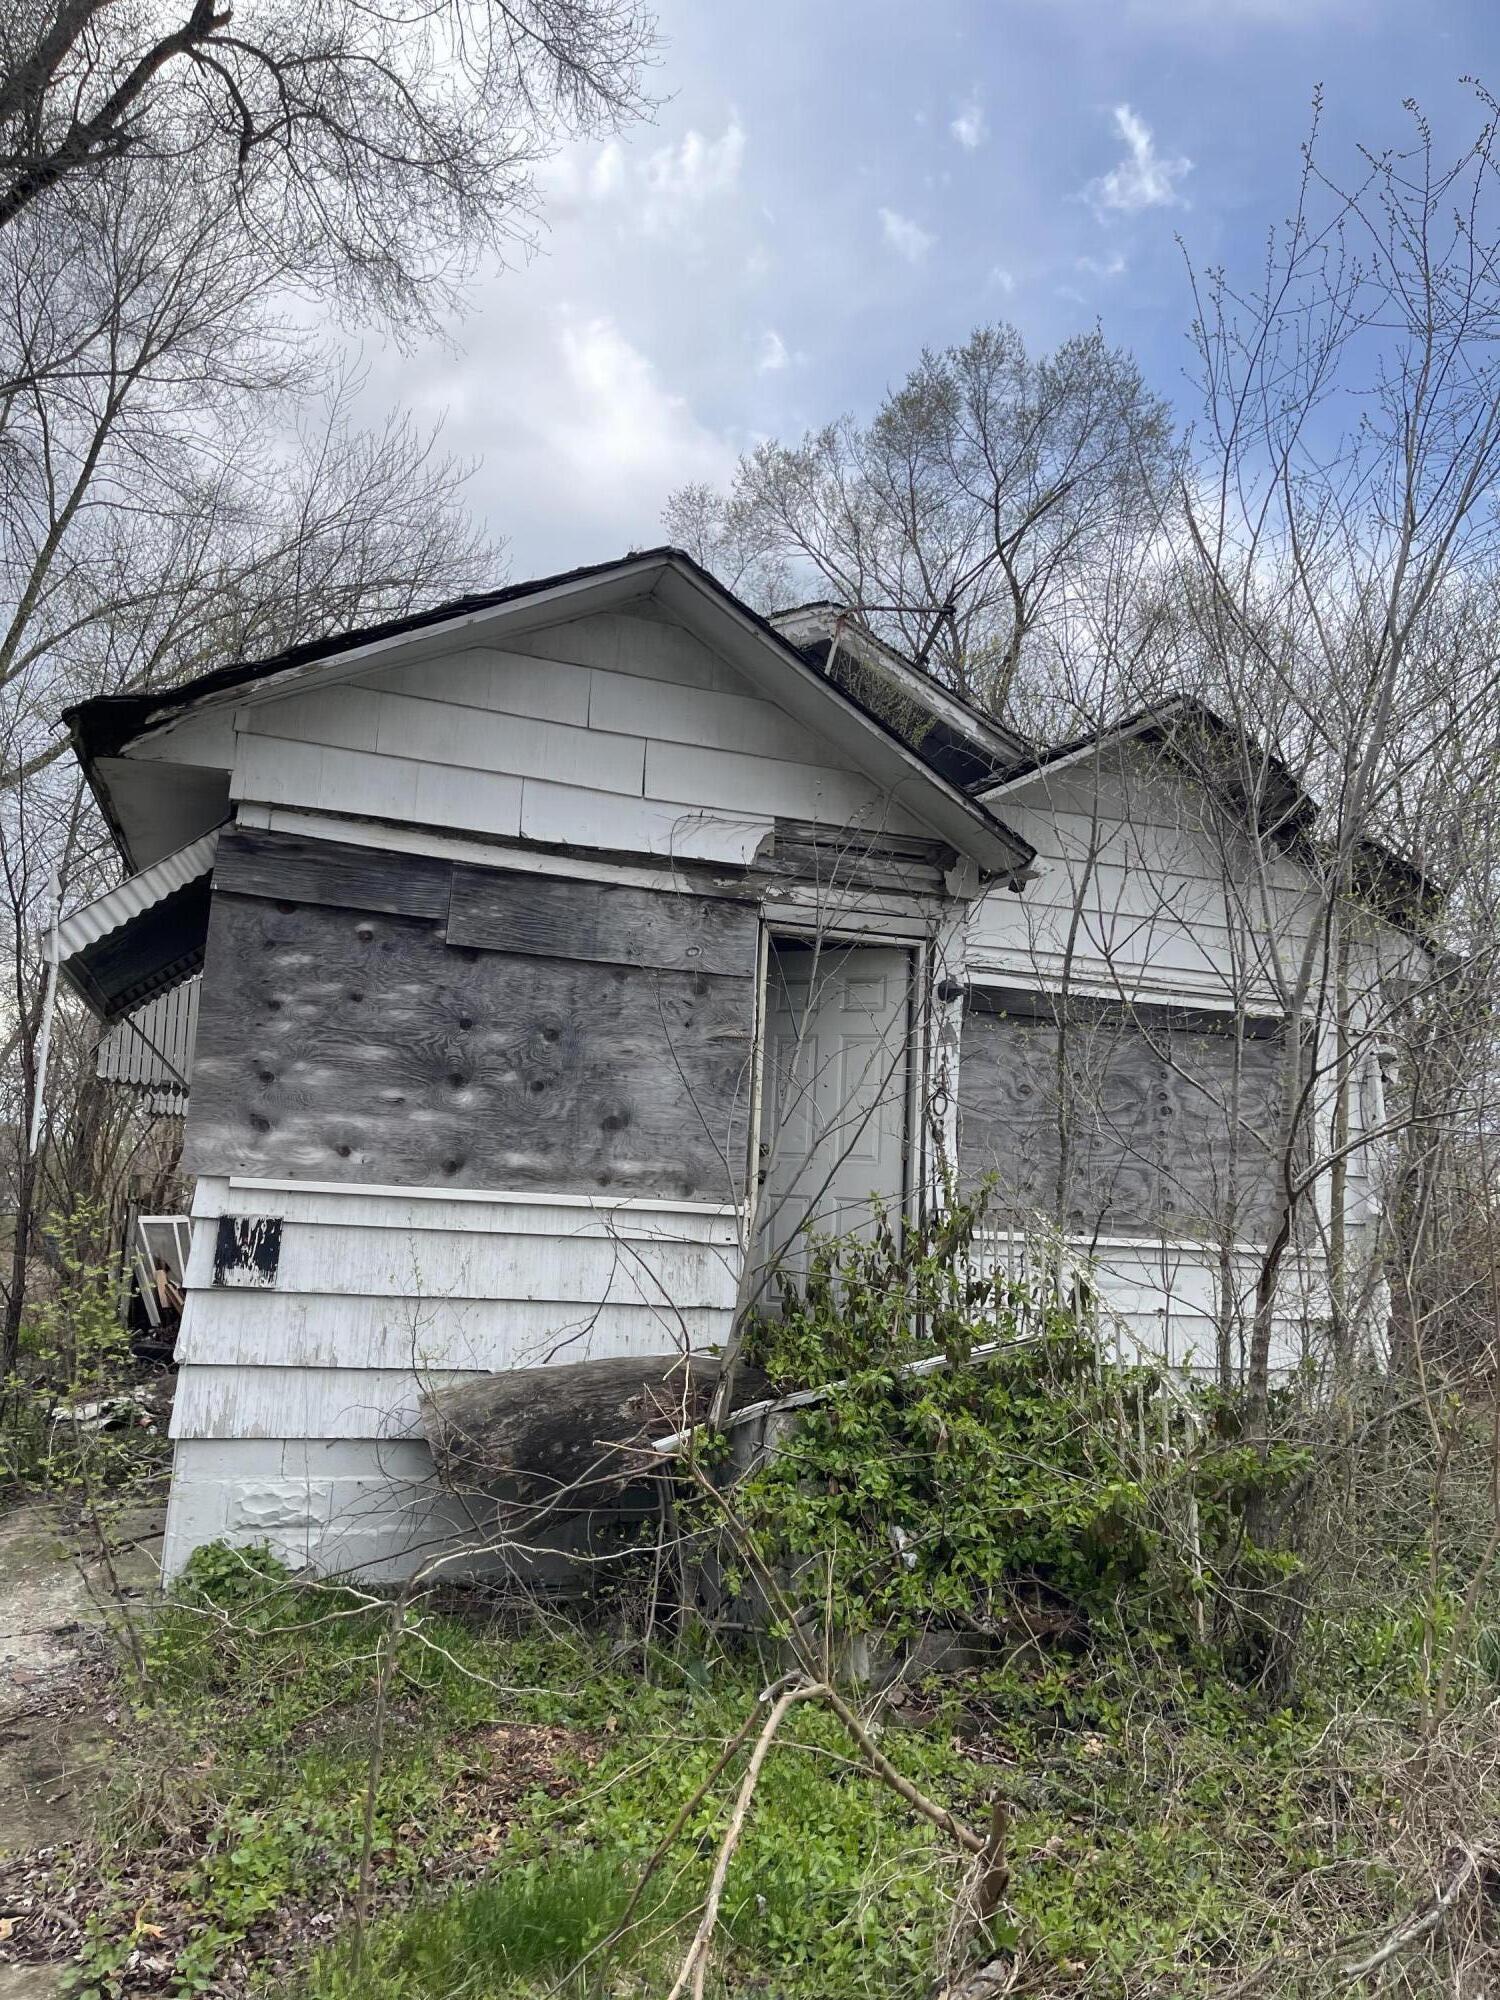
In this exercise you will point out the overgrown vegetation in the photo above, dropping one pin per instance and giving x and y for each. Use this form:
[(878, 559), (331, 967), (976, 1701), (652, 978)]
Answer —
[(68, 1427), (354, 1795), (1170, 1832)]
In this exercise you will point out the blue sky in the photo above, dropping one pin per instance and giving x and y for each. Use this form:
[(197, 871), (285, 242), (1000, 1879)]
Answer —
[(827, 187)]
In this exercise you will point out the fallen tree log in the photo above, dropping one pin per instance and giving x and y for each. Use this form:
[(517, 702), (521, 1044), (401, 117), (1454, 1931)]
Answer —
[(570, 1437)]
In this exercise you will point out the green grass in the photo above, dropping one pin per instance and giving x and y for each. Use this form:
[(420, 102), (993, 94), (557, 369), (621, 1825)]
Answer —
[(1168, 1827)]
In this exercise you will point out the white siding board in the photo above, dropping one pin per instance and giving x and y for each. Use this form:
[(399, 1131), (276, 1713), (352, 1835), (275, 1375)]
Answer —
[(486, 800), (219, 1402), (582, 818), (626, 642), (486, 677), (269, 771), (689, 775), (203, 740), (343, 717), (257, 1329), (438, 1265), (467, 738), (408, 1214), (628, 704)]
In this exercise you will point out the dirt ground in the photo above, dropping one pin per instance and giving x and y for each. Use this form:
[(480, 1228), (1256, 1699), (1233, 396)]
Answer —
[(55, 1605)]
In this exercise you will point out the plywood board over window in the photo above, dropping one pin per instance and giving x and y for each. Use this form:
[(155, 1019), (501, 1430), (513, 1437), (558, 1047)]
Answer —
[(1120, 1121), (473, 1032)]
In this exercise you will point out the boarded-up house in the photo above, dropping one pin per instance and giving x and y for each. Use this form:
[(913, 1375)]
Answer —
[(562, 947)]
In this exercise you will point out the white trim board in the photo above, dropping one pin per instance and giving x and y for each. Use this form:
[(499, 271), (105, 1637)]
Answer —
[(644, 1204)]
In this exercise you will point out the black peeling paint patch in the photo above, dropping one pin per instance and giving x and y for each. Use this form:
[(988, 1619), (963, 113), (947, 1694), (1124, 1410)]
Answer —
[(247, 1250)]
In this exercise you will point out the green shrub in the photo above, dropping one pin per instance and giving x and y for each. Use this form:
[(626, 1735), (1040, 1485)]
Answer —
[(1023, 1466)]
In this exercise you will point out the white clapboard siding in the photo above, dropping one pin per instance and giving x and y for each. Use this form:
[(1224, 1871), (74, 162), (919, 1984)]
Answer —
[(1159, 1301), (231, 1402), (638, 641), (270, 771), (252, 1328), (341, 1260), (381, 1292), (568, 814), (631, 705), (621, 732), (626, 1220), (692, 776), (491, 677), (434, 733), (337, 1505)]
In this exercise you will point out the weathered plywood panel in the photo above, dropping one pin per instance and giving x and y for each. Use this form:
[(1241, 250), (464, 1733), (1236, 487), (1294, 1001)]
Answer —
[(284, 867), (349, 1046), (551, 917), (1165, 1125)]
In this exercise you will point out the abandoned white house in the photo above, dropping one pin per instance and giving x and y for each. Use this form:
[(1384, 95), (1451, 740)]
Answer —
[(562, 947)]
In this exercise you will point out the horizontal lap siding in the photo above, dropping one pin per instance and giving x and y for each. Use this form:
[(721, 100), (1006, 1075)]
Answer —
[(619, 732), (1160, 1301), (1134, 888), (373, 1301)]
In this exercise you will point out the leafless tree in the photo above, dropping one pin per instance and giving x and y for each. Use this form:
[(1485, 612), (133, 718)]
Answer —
[(367, 150), (966, 517)]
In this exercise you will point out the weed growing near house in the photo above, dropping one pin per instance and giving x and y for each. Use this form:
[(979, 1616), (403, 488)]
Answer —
[(1169, 1830)]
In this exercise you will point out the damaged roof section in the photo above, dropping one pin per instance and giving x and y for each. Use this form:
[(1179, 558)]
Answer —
[(961, 741)]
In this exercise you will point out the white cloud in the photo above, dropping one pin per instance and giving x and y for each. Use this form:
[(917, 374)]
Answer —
[(773, 353), (907, 238), (1102, 267), (663, 189), (697, 169), (618, 430), (1002, 280), (969, 126), (1143, 179), (579, 436)]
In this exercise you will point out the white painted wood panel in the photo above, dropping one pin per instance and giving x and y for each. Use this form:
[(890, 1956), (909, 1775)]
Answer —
[(344, 717), (233, 1402), (673, 714), (204, 740), (341, 1261), (487, 677), (638, 642), (725, 778), (269, 771), (472, 739), (654, 1222), (256, 1329), (581, 818)]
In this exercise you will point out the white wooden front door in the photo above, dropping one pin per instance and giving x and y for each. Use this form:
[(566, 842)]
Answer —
[(835, 1091)]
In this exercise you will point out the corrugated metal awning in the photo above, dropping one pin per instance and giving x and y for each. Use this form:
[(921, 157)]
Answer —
[(141, 938)]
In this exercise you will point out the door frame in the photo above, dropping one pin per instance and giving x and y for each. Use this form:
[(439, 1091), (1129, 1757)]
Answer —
[(915, 1191)]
